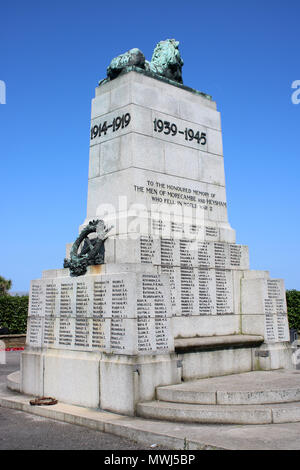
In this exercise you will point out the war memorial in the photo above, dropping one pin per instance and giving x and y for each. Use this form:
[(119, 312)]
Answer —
[(156, 311)]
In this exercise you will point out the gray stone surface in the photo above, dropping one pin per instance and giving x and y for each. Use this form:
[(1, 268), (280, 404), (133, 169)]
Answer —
[(124, 313), (172, 267), (208, 414), (30, 431), (140, 145), (258, 387), (169, 435), (250, 398), (216, 363), (213, 342), (13, 381), (24, 431), (154, 171)]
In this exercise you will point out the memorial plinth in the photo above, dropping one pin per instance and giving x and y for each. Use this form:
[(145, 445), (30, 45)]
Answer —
[(172, 267)]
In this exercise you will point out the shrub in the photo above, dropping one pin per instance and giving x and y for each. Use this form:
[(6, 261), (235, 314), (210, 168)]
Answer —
[(13, 313), (293, 308)]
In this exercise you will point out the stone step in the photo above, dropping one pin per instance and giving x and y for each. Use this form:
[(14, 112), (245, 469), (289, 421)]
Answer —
[(221, 414), (259, 387), (208, 343)]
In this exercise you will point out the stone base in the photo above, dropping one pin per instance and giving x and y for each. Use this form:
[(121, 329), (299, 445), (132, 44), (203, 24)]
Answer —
[(106, 339), (232, 360), (119, 382), (251, 398), (97, 380), (273, 356)]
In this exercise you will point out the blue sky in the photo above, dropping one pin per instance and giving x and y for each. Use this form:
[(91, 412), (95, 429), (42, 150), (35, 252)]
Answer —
[(245, 54)]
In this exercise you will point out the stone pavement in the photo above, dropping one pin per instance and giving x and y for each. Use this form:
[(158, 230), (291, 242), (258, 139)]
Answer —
[(166, 434), (25, 431)]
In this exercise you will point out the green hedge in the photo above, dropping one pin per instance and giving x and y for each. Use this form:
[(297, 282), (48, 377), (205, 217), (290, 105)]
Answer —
[(13, 313), (293, 307)]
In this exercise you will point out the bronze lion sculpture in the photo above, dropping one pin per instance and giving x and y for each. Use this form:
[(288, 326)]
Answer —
[(166, 62)]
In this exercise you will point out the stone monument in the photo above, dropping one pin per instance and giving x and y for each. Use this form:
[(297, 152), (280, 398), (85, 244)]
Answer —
[(155, 289)]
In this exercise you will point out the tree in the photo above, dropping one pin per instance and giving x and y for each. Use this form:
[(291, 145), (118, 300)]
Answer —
[(5, 285)]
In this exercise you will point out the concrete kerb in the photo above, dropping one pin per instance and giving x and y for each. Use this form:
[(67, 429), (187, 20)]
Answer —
[(172, 435), (137, 429)]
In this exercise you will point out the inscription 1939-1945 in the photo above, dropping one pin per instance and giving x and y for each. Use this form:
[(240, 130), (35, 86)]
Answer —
[(169, 128), (160, 126)]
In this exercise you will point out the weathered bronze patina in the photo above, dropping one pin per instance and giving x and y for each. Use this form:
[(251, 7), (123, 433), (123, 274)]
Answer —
[(92, 251), (133, 57), (166, 62)]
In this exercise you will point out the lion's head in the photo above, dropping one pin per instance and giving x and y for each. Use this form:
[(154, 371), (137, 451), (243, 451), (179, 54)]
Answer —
[(166, 60)]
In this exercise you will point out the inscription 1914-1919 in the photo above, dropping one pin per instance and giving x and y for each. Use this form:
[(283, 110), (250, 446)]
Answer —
[(117, 123), (160, 126)]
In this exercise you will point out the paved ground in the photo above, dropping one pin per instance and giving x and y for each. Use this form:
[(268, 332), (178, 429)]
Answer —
[(12, 359), (19, 430), (23, 431)]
